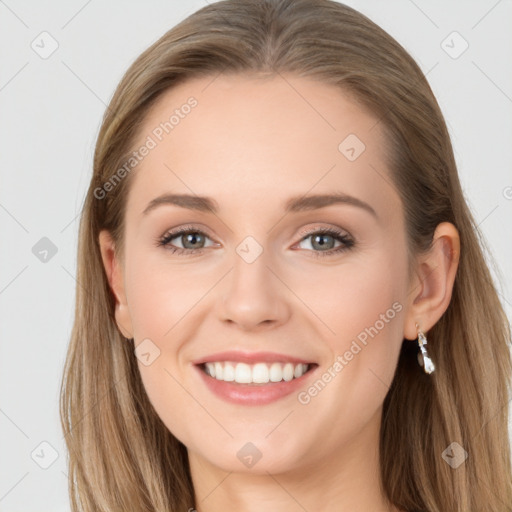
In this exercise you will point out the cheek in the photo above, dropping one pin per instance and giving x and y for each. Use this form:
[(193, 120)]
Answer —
[(361, 306), (163, 302), (355, 298), (161, 294), (364, 307)]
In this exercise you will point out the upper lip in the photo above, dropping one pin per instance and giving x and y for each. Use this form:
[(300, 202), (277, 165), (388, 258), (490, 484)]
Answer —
[(250, 357)]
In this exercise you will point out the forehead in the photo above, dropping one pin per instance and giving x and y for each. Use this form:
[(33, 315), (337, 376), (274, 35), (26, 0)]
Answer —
[(278, 136)]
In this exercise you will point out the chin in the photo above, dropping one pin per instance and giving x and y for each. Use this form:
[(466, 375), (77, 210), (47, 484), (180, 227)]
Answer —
[(257, 457)]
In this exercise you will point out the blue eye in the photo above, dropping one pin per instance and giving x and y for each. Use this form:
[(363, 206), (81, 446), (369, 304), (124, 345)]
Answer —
[(326, 238), (194, 241)]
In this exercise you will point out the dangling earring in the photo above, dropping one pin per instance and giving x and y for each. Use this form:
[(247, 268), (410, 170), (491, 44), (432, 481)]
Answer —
[(423, 358)]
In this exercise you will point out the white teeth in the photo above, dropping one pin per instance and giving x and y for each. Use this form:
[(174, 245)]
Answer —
[(288, 372), (242, 373), (210, 369), (219, 370), (299, 370), (276, 372), (259, 373), (229, 372)]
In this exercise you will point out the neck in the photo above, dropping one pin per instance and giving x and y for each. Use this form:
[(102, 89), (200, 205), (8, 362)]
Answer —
[(347, 479)]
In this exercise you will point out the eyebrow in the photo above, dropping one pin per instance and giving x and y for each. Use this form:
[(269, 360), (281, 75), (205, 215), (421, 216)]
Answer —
[(295, 204)]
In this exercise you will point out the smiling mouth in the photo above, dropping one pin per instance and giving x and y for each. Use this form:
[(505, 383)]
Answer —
[(255, 374)]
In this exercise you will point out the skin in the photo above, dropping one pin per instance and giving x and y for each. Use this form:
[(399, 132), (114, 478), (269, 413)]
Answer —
[(251, 143)]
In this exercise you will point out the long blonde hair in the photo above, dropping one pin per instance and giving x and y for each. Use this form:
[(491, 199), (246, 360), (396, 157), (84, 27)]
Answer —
[(121, 455)]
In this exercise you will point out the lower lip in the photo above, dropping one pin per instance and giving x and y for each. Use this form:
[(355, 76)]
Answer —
[(253, 394)]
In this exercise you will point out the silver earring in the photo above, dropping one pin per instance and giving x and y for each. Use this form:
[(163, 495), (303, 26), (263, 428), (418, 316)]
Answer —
[(423, 358)]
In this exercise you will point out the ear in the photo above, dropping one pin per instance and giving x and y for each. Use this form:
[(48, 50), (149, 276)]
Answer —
[(430, 291), (114, 271)]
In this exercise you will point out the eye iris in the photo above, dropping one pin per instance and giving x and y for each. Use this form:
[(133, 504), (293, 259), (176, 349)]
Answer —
[(193, 238), (320, 239)]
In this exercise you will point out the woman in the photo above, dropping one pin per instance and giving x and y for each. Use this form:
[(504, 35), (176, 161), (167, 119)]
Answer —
[(284, 304)]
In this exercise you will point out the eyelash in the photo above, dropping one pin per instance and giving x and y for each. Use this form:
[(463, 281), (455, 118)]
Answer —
[(347, 241)]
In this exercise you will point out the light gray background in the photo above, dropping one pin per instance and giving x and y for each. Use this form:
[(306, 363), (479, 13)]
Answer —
[(50, 115)]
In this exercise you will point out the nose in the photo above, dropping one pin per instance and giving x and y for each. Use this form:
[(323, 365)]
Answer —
[(254, 295)]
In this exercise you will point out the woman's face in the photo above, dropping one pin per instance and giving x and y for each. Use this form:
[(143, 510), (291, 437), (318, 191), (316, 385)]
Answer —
[(273, 276)]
